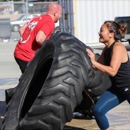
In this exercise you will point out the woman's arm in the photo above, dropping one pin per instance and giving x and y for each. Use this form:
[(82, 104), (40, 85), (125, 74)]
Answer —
[(101, 58), (118, 53)]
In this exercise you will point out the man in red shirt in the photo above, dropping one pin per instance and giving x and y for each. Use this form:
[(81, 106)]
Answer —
[(34, 33)]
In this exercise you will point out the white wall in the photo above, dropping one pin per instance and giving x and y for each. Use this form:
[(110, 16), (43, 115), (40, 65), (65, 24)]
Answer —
[(89, 15)]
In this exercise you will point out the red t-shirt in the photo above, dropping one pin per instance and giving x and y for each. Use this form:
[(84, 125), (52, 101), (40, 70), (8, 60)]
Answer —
[(27, 45)]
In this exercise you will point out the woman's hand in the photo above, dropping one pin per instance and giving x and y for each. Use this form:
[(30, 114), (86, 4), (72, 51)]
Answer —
[(91, 54)]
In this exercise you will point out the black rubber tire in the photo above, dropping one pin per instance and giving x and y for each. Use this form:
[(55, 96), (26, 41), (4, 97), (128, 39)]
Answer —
[(29, 86), (61, 92), (51, 87), (9, 94), (98, 83), (56, 30)]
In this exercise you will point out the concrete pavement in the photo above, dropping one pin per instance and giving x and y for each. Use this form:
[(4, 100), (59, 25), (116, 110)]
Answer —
[(119, 117)]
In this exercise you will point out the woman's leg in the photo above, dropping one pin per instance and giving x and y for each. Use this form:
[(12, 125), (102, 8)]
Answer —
[(107, 101)]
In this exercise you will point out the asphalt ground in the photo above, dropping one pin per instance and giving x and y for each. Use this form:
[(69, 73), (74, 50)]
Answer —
[(119, 117)]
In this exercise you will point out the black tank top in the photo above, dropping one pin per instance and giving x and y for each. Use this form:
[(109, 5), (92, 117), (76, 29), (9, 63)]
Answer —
[(122, 78)]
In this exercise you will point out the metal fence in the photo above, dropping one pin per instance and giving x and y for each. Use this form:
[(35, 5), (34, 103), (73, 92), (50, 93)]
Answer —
[(18, 13), (13, 9)]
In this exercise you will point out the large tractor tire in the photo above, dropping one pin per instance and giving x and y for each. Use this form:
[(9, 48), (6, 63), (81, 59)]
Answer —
[(98, 83), (51, 86)]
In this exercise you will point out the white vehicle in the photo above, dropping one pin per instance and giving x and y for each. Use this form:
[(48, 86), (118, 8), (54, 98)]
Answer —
[(16, 24), (124, 21)]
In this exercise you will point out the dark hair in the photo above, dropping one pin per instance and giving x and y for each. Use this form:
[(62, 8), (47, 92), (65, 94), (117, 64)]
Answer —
[(114, 27)]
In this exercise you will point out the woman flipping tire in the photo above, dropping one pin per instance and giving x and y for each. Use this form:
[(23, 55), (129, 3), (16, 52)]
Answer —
[(51, 86)]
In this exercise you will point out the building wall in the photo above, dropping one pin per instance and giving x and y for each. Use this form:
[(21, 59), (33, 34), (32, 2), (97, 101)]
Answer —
[(90, 14)]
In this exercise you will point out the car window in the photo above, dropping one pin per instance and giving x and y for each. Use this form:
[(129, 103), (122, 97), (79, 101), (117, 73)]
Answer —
[(26, 19), (125, 23), (20, 17)]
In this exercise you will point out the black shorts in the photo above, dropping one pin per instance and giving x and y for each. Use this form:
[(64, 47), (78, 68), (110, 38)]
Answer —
[(22, 64), (124, 90)]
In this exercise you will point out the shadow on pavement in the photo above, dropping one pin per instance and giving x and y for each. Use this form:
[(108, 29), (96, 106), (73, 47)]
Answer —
[(2, 111), (6, 81), (72, 128)]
